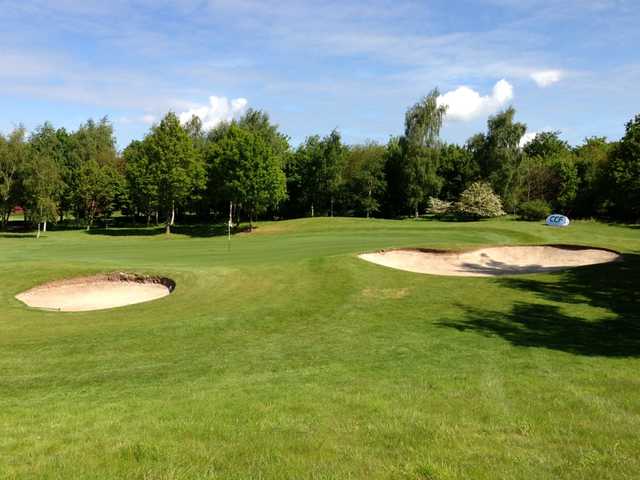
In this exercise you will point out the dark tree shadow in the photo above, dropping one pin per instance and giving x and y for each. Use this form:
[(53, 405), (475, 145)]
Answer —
[(17, 235), (198, 230), (126, 232), (614, 288), (493, 267)]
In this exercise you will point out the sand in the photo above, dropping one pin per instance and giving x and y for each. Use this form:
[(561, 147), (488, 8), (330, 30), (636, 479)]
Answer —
[(97, 292), (492, 261)]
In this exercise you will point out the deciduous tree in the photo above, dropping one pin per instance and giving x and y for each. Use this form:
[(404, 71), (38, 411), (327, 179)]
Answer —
[(13, 158), (177, 169), (251, 169), (625, 173)]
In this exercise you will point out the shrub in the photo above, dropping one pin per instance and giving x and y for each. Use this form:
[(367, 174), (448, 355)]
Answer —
[(439, 207), (534, 210), (479, 201)]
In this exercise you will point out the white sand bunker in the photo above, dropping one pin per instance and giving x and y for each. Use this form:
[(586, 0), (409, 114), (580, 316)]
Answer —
[(97, 292), (492, 261)]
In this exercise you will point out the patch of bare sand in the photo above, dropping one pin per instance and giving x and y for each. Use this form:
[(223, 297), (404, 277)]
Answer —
[(97, 292), (491, 261)]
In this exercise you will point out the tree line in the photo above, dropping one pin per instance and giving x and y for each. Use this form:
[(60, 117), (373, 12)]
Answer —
[(247, 169)]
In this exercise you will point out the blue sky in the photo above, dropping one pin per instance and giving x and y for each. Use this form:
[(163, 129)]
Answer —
[(568, 65)]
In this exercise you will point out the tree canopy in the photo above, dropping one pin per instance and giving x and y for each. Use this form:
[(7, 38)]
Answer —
[(186, 170)]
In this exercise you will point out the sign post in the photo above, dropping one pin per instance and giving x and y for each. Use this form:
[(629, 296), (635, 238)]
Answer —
[(229, 225), (556, 220)]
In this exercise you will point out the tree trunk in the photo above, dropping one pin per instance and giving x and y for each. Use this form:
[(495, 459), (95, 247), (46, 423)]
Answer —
[(156, 218), (332, 207), (38, 234), (44, 226), (312, 210), (417, 215), (148, 219), (173, 213)]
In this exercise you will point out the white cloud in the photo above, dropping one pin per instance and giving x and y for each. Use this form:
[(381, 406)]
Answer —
[(464, 103), (147, 119), (529, 136), (544, 78), (220, 109)]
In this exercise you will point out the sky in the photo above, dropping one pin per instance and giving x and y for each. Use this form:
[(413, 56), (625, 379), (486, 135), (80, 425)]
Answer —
[(355, 65)]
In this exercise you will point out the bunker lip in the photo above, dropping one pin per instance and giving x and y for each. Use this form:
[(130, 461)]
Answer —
[(492, 261), (97, 292)]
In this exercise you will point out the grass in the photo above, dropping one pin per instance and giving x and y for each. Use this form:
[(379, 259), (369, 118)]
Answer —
[(288, 357)]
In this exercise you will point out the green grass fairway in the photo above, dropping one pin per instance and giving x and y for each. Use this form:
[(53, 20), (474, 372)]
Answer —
[(288, 357)]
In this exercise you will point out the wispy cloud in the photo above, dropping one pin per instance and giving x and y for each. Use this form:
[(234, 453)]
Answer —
[(544, 78), (331, 61), (146, 119)]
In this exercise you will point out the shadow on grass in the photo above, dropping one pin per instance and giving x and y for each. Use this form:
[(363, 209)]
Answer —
[(211, 230), (628, 225), (614, 288), (17, 235)]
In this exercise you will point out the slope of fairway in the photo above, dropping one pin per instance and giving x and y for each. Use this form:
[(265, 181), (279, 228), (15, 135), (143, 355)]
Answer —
[(283, 355)]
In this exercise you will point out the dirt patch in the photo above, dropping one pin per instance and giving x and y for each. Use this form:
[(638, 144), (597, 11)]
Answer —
[(97, 292), (492, 261)]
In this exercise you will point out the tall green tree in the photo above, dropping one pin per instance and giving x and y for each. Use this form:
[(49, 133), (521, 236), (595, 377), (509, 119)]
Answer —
[(46, 141), (394, 201), (364, 177), (141, 185), (546, 172), (592, 160), (564, 182), (318, 166), (42, 187), (98, 183), (421, 142), (624, 172), (251, 168), (178, 170), (13, 158), (498, 153), (93, 173), (458, 169)]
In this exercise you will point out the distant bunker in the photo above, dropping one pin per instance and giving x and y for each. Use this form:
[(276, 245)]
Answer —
[(492, 261), (97, 292)]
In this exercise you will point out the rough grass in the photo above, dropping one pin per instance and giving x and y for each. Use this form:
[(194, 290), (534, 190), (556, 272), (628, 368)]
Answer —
[(288, 357)]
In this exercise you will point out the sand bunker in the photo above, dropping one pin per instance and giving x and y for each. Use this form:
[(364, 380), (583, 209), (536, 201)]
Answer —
[(492, 261), (97, 292)]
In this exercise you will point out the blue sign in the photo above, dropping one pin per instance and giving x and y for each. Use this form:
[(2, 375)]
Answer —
[(557, 221)]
